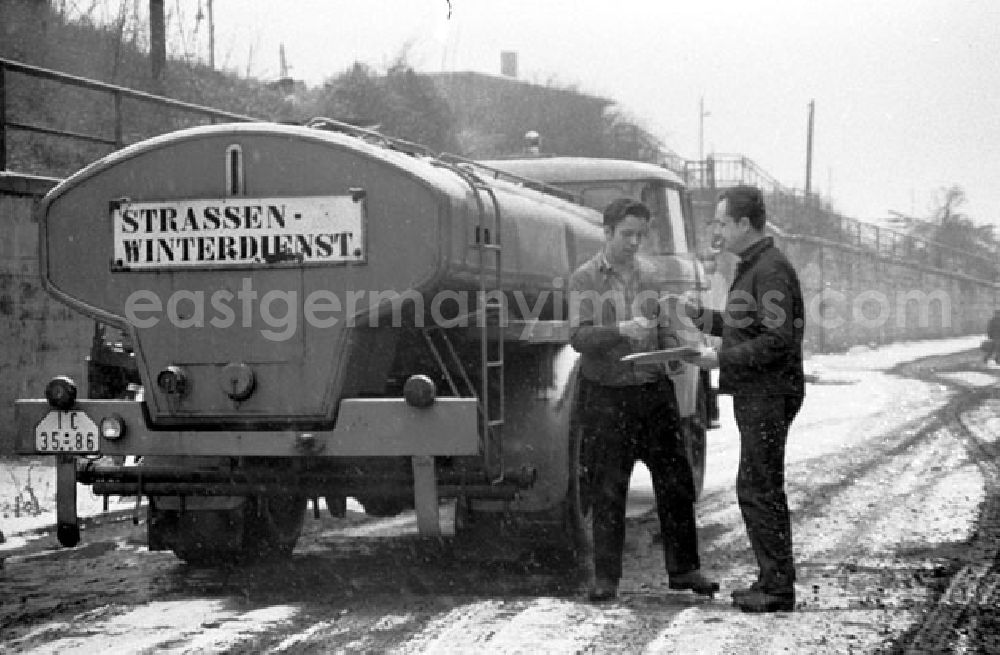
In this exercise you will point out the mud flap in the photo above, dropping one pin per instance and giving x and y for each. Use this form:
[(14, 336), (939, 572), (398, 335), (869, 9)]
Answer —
[(425, 496), (67, 523)]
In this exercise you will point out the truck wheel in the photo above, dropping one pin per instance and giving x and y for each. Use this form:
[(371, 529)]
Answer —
[(693, 430), (565, 542), (558, 540), (579, 501)]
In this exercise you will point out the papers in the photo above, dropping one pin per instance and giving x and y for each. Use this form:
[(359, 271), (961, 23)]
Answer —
[(680, 353)]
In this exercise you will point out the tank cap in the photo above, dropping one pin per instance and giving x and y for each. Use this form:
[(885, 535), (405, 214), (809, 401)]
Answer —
[(238, 380), (172, 381)]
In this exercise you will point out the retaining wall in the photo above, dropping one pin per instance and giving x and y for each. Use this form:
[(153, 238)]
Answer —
[(854, 297), (39, 337)]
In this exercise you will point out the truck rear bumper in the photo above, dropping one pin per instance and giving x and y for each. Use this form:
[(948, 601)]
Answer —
[(365, 427)]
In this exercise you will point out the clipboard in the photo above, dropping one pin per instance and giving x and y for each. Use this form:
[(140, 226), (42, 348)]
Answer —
[(680, 353)]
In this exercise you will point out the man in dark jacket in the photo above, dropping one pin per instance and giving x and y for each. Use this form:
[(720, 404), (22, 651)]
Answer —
[(760, 365)]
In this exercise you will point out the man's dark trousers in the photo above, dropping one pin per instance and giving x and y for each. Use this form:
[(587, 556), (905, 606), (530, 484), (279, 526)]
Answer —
[(625, 424), (763, 422)]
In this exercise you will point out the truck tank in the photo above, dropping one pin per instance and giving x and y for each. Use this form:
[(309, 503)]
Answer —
[(210, 244)]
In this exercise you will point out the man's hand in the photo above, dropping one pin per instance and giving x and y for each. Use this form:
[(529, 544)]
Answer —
[(675, 306), (637, 328), (706, 358)]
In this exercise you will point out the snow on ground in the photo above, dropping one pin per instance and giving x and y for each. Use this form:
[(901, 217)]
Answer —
[(152, 627), (858, 539), (27, 481), (842, 384)]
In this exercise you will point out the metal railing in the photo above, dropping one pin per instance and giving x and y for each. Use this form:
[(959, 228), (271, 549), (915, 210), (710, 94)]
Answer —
[(719, 171), (116, 93), (795, 213)]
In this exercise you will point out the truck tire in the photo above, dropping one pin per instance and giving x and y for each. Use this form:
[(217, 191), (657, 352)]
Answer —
[(579, 501), (557, 540), (693, 434)]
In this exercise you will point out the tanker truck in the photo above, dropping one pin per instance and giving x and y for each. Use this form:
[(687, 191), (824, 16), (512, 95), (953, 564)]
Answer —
[(321, 311)]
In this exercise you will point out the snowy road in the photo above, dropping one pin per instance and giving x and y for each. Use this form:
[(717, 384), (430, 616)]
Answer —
[(892, 479)]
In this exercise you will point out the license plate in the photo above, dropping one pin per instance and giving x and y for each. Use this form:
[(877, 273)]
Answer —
[(66, 432)]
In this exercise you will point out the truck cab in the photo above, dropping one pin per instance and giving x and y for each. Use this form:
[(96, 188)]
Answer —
[(671, 246)]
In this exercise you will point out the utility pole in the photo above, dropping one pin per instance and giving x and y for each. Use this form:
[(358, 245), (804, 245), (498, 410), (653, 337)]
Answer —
[(157, 38), (211, 31), (285, 81), (211, 36), (809, 148)]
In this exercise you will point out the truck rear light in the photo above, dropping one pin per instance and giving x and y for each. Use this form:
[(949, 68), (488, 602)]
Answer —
[(112, 427), (172, 381), (61, 392), (419, 391)]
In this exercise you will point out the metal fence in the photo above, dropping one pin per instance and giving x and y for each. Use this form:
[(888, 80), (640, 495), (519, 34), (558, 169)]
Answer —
[(9, 124), (795, 213)]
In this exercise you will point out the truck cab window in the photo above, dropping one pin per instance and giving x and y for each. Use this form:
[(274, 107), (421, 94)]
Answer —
[(675, 210), (666, 228)]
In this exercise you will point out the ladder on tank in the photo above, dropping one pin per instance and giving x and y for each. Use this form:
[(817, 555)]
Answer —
[(490, 317)]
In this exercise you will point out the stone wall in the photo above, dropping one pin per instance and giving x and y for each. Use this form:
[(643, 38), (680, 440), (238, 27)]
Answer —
[(864, 296), (39, 337), (855, 297)]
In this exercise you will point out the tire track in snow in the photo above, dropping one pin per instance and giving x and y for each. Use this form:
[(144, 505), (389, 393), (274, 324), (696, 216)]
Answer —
[(542, 625)]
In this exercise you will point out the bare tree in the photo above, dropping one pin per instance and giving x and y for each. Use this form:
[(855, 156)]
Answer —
[(949, 201), (955, 228)]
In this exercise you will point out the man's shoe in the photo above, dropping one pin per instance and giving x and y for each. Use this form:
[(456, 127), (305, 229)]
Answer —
[(761, 601), (694, 581), (603, 590), (737, 594)]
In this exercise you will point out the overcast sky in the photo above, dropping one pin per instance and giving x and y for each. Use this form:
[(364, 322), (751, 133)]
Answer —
[(907, 92)]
